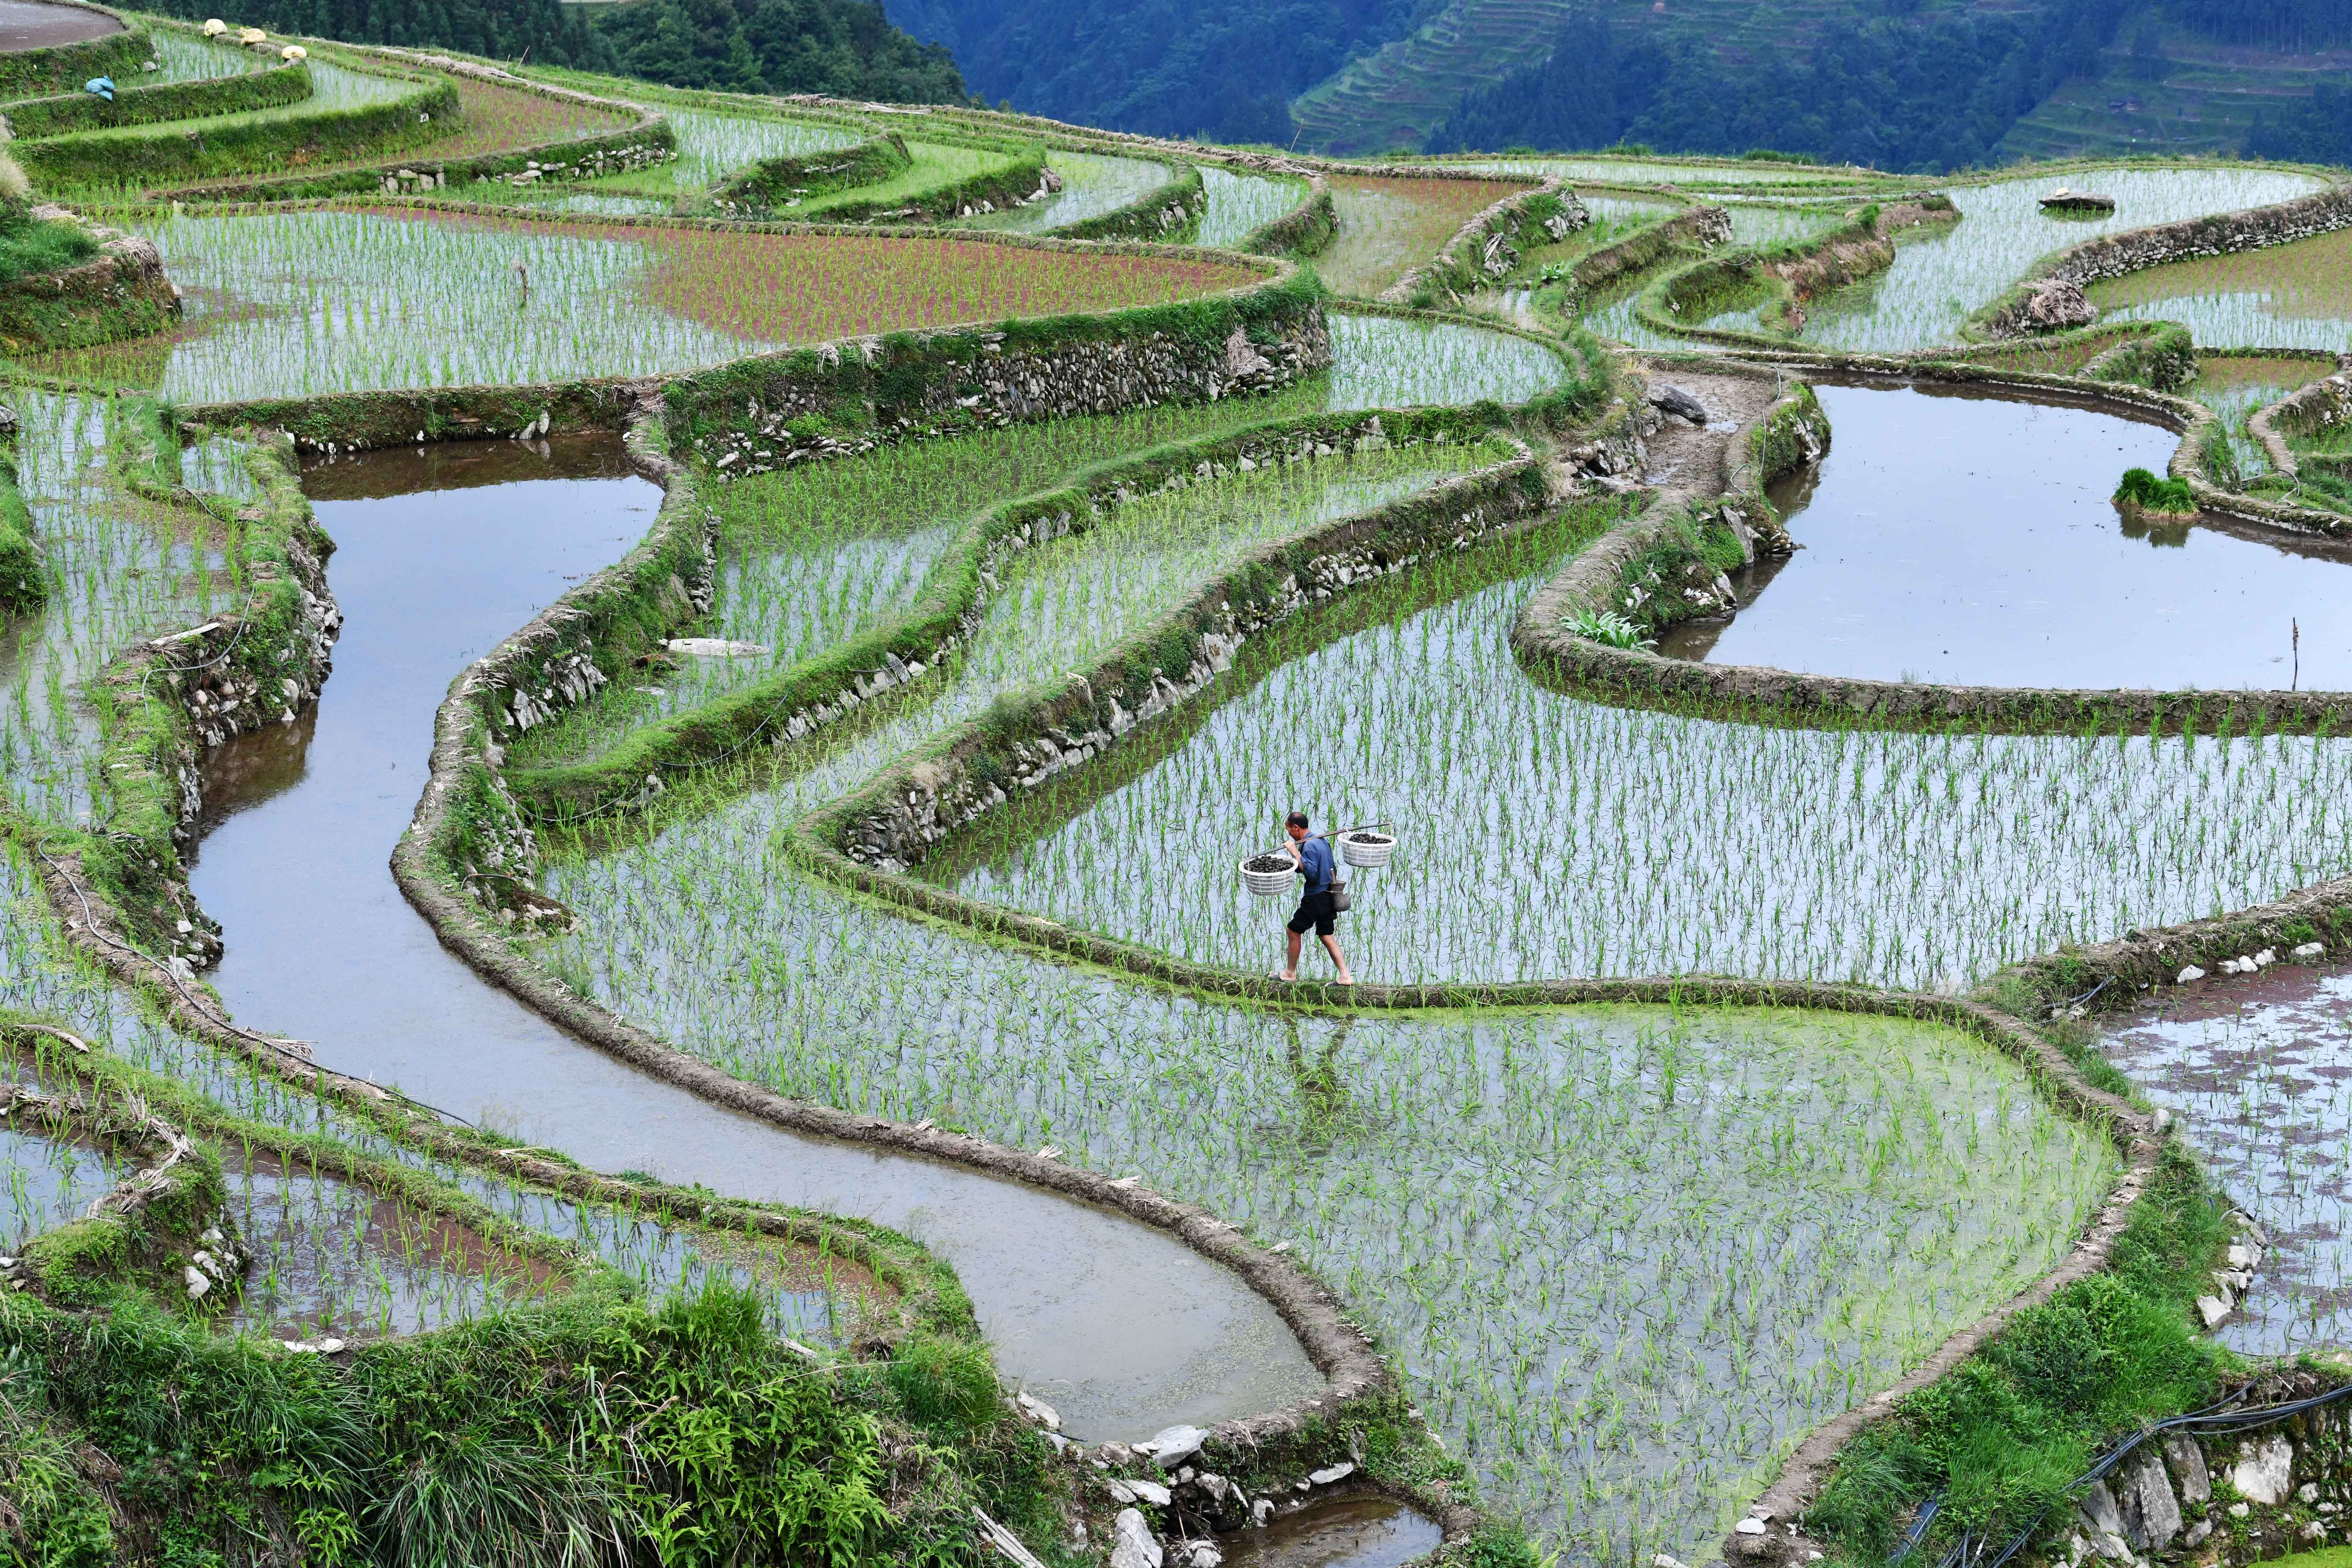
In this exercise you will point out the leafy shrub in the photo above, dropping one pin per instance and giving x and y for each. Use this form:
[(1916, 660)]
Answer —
[(1607, 627)]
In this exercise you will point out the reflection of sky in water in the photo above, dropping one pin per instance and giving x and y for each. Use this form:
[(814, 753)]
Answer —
[(2260, 1071), (50, 1182)]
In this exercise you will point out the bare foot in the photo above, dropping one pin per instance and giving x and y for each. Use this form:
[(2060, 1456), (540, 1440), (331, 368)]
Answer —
[(1345, 978), (1286, 979)]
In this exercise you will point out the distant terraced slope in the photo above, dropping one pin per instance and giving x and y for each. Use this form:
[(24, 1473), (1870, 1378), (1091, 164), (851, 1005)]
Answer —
[(1390, 97)]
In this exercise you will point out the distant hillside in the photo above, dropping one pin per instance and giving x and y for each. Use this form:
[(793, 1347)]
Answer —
[(1225, 68), (844, 46), (2207, 75), (1930, 89)]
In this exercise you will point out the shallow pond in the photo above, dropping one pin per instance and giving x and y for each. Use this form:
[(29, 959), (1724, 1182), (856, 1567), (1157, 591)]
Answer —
[(1132, 1331), (2259, 1069), (1361, 1531), (1956, 537)]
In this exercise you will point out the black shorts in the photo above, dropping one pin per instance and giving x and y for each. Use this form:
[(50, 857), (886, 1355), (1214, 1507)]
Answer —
[(1315, 910)]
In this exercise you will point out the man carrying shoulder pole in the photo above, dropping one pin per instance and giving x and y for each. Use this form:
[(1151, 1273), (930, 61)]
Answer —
[(1313, 858)]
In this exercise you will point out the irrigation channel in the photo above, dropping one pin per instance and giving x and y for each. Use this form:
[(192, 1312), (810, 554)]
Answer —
[(1959, 536), (1124, 1328)]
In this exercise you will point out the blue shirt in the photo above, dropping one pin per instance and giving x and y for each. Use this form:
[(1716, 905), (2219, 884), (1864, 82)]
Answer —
[(1315, 865)]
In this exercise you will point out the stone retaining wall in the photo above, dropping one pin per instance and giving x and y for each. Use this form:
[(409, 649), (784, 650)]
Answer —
[(1698, 228), (2322, 405), (2224, 234)]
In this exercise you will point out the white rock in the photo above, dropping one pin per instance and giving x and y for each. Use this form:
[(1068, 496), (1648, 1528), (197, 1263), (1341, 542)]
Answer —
[(1172, 1447), (1132, 1542), (1338, 1472), (1151, 1493), (714, 648), (2311, 949), (1663, 1561), (1040, 1412), (2243, 1256), (1750, 1527), (2189, 974), (2213, 1310), (1205, 1556), (2239, 1510), (199, 1281), (2263, 1471), (1121, 1492), (2265, 957), (1260, 1512)]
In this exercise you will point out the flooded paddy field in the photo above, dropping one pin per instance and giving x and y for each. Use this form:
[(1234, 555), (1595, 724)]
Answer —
[(1966, 538)]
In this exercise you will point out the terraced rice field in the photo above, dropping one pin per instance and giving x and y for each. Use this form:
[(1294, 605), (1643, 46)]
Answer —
[(1241, 202), (2294, 296), (1093, 186), (1938, 280), (1425, 1164), (328, 300), (1387, 227)]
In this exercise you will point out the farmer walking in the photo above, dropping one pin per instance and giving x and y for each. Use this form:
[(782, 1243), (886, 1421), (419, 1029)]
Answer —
[(1313, 858)]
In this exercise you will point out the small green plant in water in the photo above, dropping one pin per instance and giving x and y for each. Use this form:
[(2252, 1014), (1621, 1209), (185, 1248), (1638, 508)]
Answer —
[(1607, 627), (2167, 498)]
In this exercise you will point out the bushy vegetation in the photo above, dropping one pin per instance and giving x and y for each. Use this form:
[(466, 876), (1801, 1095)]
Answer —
[(2316, 130), (28, 246), (594, 1430), (547, 31), (2002, 1438), (1910, 94)]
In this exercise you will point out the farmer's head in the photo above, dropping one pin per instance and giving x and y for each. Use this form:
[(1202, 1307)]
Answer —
[(1295, 825)]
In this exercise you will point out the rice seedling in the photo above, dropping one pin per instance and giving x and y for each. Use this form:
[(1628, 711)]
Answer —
[(1939, 279), (1664, 172), (1092, 185), (334, 1256), (184, 57), (1641, 842), (338, 299), (122, 567), (1241, 202), (1388, 362), (936, 166), (2256, 1070), (2295, 296), (817, 554), (51, 1181), (1626, 1256), (1387, 227)]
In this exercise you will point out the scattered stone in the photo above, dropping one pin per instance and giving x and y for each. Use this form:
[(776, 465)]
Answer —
[(2198, 1533), (1173, 1446), (1132, 1544), (1338, 1472), (2263, 1471), (2212, 1309), (1204, 1554), (1037, 1410), (199, 1281), (1151, 1493), (1750, 1527), (2189, 1471), (2189, 974), (2311, 949), (1668, 399), (1261, 1510), (1121, 1492)]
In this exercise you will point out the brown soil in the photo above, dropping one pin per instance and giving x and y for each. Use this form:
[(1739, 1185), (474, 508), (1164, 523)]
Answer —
[(1689, 463)]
